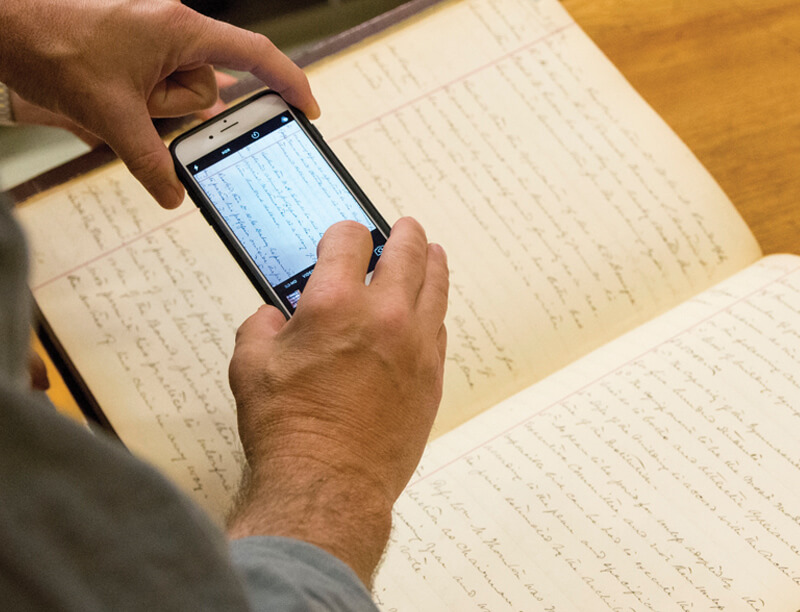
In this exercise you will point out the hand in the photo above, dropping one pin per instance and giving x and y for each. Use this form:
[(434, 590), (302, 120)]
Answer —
[(26, 113), (111, 65), (335, 405), (30, 114)]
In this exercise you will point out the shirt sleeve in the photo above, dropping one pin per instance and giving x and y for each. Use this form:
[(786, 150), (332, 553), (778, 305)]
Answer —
[(290, 575)]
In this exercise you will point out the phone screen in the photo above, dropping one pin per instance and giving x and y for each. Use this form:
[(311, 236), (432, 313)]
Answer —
[(277, 194)]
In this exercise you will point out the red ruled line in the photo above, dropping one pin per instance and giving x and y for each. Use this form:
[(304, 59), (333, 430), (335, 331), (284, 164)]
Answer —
[(397, 108), (459, 79), (532, 416), (115, 249)]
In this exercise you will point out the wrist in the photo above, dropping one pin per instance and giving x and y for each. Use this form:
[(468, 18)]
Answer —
[(335, 507)]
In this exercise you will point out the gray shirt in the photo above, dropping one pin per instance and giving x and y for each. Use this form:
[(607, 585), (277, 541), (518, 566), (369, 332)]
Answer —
[(85, 526)]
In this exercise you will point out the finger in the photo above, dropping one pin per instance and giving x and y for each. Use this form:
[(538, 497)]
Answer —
[(224, 79), (432, 298), (141, 149), (88, 138), (261, 325), (441, 344), (222, 44), (402, 264), (183, 92), (343, 255), (215, 110), (252, 346)]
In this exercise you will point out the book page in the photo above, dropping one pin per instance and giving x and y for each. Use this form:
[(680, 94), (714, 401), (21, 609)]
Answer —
[(569, 211), (658, 473), (147, 303)]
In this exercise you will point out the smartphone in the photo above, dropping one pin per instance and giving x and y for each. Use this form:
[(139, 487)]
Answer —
[(264, 179)]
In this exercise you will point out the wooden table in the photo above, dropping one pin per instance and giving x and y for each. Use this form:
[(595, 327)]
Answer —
[(725, 75)]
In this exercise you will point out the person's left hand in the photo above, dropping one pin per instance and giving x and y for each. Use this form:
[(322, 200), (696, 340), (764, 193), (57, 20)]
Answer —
[(26, 113), (111, 65)]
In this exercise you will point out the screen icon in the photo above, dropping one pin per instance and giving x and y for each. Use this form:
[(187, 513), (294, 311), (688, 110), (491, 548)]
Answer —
[(255, 135), (293, 298)]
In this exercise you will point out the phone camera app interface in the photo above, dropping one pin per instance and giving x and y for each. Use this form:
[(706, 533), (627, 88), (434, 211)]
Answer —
[(278, 195)]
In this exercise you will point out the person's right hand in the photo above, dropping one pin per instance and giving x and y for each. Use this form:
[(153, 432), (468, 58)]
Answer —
[(111, 65), (335, 406)]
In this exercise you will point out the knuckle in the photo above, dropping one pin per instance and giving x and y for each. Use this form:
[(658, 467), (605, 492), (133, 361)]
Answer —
[(203, 84), (263, 43), (176, 14), (257, 45), (324, 302), (208, 95), (241, 332)]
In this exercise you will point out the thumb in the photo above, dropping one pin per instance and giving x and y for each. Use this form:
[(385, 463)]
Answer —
[(140, 147), (260, 326), (253, 339)]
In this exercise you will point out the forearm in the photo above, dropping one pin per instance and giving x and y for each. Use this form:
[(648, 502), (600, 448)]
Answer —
[(328, 506)]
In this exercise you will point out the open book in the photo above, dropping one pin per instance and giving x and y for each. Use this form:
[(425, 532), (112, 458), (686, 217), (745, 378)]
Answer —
[(630, 425)]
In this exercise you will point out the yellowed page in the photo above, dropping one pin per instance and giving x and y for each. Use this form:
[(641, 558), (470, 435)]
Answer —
[(570, 212), (659, 473), (146, 302)]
